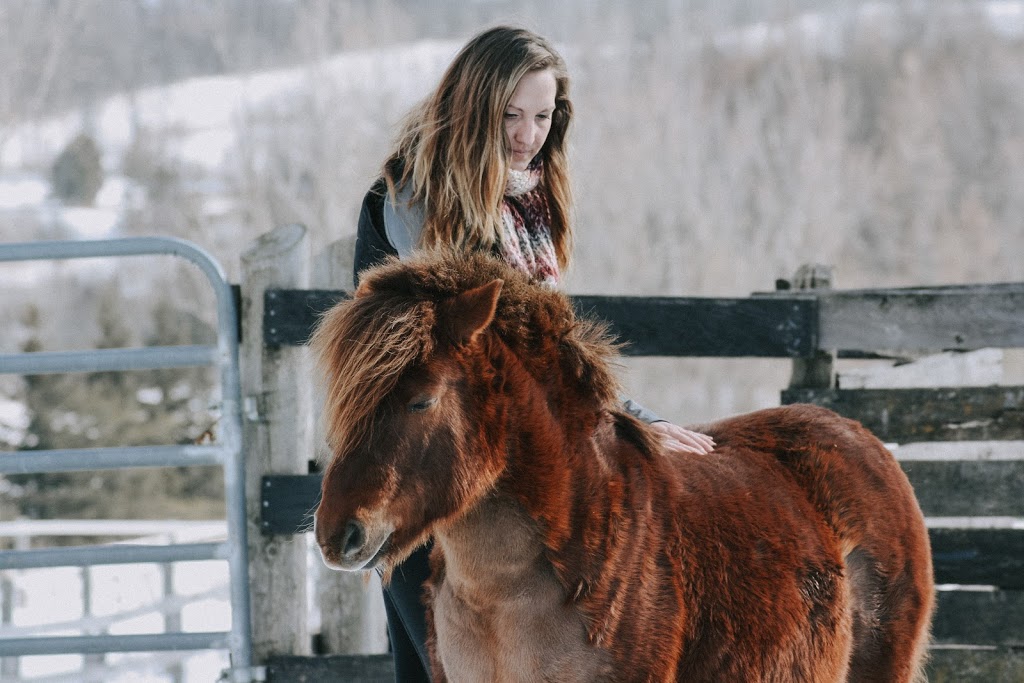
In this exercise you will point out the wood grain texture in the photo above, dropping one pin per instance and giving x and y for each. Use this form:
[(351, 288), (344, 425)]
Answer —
[(648, 326), (993, 413)]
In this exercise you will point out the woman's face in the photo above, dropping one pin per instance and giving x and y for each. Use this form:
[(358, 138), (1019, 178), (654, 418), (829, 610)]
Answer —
[(528, 116)]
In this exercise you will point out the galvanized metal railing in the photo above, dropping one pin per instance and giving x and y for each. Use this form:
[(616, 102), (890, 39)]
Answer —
[(226, 452)]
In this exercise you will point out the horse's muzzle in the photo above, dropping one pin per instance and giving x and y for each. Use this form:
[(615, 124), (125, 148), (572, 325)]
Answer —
[(355, 546)]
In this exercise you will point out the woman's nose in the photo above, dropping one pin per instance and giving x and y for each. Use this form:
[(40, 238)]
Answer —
[(523, 132)]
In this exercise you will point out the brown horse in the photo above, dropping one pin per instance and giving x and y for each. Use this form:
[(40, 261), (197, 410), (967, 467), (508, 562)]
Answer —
[(464, 403)]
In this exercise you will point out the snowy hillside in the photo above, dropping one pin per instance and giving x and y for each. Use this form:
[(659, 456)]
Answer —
[(199, 121)]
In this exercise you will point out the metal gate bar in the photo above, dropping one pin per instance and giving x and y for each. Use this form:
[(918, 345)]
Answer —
[(78, 459), (103, 360), (89, 556), (226, 453), (59, 645)]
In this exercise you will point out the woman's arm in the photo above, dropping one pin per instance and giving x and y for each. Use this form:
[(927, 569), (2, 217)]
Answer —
[(675, 438), (639, 412)]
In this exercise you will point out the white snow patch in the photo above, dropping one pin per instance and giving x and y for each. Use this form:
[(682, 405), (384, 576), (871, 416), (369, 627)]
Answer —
[(90, 222), (22, 191), (14, 421), (150, 396)]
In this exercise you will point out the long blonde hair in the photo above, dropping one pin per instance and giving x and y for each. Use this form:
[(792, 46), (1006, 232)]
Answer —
[(452, 148)]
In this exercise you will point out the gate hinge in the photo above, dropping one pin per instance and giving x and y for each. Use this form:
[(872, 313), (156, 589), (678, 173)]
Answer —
[(254, 408)]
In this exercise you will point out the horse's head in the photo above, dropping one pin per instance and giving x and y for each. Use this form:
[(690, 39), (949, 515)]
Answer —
[(412, 443)]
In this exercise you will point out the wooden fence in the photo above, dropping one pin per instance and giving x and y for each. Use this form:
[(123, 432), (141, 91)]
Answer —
[(974, 504)]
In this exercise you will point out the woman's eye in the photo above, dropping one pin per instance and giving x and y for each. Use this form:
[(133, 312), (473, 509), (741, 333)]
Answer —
[(421, 405), (510, 115)]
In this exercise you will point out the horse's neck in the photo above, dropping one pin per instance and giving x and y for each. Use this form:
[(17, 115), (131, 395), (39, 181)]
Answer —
[(499, 611), (575, 466), (493, 548), (593, 491)]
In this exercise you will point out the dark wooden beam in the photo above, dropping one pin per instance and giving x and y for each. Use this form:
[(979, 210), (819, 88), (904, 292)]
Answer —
[(965, 556), (970, 665), (982, 557), (923, 319), (349, 668), (942, 414), (702, 327), (649, 326), (945, 665), (854, 322), (979, 617), (956, 488), (968, 488)]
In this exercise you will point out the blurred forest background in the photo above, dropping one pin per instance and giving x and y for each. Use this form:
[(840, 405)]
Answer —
[(718, 145)]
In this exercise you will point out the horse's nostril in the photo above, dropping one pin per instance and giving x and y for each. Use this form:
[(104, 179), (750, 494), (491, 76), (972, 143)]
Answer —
[(353, 539)]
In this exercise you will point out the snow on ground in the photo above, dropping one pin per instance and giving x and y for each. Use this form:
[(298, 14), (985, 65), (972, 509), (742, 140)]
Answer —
[(14, 420), (198, 121), (20, 190), (823, 32)]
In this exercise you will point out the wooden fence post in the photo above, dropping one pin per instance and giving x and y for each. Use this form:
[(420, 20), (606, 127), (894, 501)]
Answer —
[(352, 618), (816, 372), (277, 438), (8, 665)]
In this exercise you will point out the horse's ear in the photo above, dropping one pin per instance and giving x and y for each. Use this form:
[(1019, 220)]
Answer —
[(364, 289), (473, 310)]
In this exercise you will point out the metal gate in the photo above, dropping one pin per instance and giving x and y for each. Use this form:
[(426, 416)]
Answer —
[(226, 452)]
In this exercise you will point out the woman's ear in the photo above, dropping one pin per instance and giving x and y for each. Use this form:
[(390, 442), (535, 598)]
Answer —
[(473, 310)]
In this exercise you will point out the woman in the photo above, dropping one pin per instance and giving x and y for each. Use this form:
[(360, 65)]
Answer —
[(480, 164)]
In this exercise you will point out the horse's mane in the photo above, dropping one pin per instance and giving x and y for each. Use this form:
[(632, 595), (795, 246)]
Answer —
[(363, 345)]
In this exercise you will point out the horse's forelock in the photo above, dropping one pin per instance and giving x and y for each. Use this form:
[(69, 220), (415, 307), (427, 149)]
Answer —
[(362, 347)]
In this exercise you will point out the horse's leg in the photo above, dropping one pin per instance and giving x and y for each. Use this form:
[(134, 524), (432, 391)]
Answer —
[(891, 614)]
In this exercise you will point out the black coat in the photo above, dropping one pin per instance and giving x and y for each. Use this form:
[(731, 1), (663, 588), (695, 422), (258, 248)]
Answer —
[(372, 244)]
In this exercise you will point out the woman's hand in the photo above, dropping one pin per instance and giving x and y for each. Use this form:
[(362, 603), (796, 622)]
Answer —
[(678, 440)]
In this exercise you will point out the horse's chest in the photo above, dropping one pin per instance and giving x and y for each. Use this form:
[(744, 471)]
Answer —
[(501, 615)]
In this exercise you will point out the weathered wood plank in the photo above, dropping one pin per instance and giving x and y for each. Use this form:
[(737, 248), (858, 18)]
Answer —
[(277, 434), (941, 414), (944, 489), (677, 326), (349, 668), (985, 557), (991, 623), (650, 326), (946, 665), (923, 319), (965, 488), (979, 618), (763, 325), (963, 556), (1002, 665)]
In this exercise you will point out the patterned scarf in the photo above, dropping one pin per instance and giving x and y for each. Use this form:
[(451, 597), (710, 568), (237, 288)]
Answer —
[(526, 226)]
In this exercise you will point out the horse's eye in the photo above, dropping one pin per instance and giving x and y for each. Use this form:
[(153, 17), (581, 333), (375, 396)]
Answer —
[(421, 405)]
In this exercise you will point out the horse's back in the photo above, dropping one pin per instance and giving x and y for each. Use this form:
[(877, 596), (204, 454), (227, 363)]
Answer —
[(846, 472), (855, 484)]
